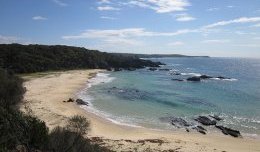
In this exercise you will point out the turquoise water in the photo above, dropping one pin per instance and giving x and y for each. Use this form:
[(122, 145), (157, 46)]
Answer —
[(141, 97)]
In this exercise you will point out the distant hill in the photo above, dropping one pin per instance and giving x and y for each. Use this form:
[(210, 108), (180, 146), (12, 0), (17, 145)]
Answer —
[(35, 58), (158, 55)]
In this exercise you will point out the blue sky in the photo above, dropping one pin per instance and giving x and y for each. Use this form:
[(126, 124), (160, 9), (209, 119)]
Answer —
[(192, 27)]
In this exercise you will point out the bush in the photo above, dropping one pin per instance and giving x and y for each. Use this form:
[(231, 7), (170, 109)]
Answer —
[(78, 124), (11, 89), (64, 140), (18, 129)]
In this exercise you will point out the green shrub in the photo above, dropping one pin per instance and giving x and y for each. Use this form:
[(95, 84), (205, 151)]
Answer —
[(63, 140), (78, 124), (11, 89), (19, 129)]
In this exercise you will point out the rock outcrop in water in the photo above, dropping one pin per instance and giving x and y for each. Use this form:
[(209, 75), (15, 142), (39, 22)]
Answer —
[(200, 129), (215, 117), (179, 122), (165, 69), (204, 77), (177, 79), (195, 79), (205, 121), (228, 131), (175, 73), (152, 69)]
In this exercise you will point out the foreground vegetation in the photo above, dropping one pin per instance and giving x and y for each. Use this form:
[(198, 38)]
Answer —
[(37, 58), (25, 132)]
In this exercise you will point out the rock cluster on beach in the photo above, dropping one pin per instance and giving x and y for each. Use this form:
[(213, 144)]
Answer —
[(204, 120), (78, 101)]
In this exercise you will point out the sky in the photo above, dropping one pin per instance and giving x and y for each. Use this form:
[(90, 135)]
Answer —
[(221, 28)]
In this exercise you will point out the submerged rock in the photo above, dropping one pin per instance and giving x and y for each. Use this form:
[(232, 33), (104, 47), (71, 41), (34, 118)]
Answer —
[(196, 79), (229, 131), (205, 121), (81, 102), (175, 73), (177, 79), (175, 121)]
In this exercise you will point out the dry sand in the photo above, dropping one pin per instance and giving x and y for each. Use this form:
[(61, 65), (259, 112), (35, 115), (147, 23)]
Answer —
[(47, 91)]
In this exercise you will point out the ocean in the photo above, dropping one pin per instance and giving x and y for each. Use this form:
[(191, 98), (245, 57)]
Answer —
[(140, 98)]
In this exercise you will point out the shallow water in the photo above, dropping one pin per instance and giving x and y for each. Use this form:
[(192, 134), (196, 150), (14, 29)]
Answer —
[(141, 97)]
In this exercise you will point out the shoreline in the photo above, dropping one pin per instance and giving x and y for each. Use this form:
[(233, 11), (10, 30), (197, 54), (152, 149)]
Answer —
[(59, 86)]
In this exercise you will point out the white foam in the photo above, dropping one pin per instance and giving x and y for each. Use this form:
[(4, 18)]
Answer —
[(232, 79), (101, 78), (110, 117), (191, 74)]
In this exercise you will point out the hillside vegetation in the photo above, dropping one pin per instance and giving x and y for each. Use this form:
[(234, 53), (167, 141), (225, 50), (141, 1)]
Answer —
[(37, 58)]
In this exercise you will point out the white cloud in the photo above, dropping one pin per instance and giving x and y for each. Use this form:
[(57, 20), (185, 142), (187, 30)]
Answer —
[(125, 33), (184, 17), (107, 8), (104, 2), (8, 39), (60, 3), (108, 18), (216, 41), (39, 18), (177, 43), (213, 9), (161, 6), (238, 20)]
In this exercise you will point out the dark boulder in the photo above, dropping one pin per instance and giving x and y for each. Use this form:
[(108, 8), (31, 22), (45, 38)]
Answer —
[(118, 69), (205, 121), (196, 79), (70, 100), (81, 102), (205, 77), (179, 122), (110, 69), (152, 69), (177, 79), (164, 69), (228, 131), (175, 73), (175, 121), (131, 69), (200, 129), (221, 77), (215, 117)]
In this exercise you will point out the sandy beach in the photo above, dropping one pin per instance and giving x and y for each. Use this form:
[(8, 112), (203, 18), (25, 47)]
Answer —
[(47, 91)]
